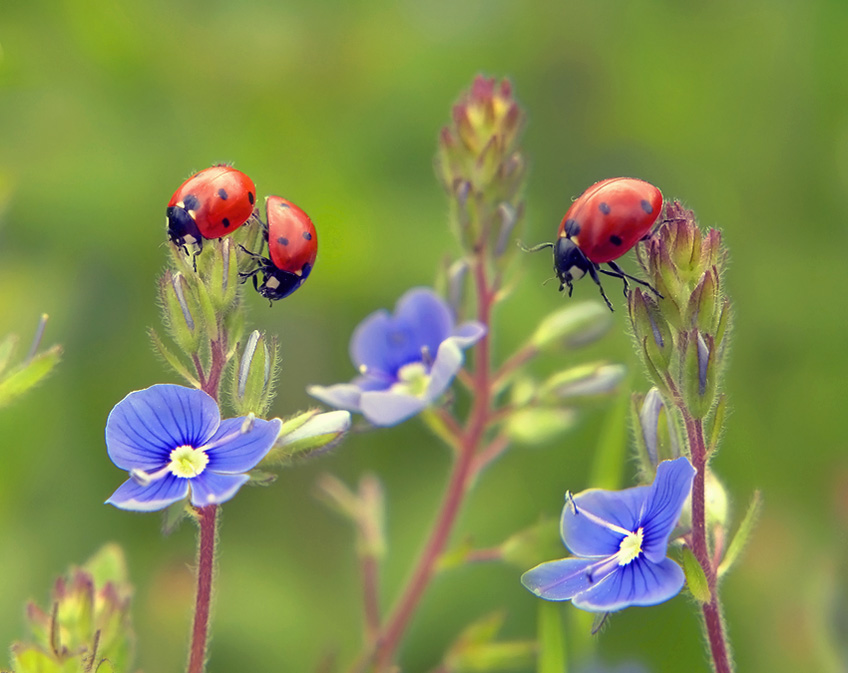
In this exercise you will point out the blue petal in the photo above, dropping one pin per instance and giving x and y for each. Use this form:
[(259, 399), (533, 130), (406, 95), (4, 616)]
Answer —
[(638, 583), (232, 452), (447, 363), (386, 408), (561, 580), (341, 396), (469, 333), (151, 497), (385, 343), (148, 424), (212, 489), (581, 532), (667, 495)]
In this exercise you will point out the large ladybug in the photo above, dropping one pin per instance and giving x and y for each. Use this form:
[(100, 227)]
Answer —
[(210, 204), (606, 221), (292, 248)]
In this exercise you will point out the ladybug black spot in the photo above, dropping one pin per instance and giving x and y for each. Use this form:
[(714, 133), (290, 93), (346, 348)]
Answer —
[(284, 206), (604, 208), (191, 202), (251, 197), (307, 235), (571, 227), (615, 240), (282, 240), (647, 207), (223, 194), (225, 222)]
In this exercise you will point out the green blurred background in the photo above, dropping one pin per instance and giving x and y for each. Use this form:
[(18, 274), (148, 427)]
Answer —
[(739, 109)]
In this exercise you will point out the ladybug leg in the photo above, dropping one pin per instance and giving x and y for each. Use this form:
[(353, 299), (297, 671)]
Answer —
[(617, 272), (593, 272)]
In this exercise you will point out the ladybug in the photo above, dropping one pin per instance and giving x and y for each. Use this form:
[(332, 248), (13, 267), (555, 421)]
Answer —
[(292, 248), (606, 221), (210, 204)]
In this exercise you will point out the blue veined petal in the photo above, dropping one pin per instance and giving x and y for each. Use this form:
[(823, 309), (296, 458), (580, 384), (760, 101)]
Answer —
[(585, 536), (563, 579), (148, 424), (150, 497), (385, 408), (668, 493), (231, 452), (211, 488), (428, 316), (638, 583), (341, 396)]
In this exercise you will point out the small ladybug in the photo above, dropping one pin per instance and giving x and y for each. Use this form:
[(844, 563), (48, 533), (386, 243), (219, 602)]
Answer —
[(292, 248), (603, 223), (210, 204)]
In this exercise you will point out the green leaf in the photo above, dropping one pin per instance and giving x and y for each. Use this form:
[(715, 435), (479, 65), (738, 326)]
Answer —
[(552, 648), (734, 549), (171, 359), (535, 426), (23, 377), (696, 580), (7, 348)]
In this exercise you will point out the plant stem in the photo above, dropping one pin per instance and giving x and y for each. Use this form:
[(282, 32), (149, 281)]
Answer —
[(712, 609), (457, 488), (207, 519)]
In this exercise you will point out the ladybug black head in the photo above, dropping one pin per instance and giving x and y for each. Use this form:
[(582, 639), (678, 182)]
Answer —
[(276, 283), (182, 229), (570, 263)]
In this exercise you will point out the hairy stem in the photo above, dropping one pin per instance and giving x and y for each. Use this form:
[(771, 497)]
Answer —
[(712, 609), (207, 519)]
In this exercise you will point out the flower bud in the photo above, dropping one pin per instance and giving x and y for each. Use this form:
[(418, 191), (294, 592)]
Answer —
[(181, 311), (573, 326), (596, 378), (252, 389), (89, 621), (656, 433), (477, 649), (308, 434)]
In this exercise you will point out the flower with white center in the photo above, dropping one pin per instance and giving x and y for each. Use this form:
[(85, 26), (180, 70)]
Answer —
[(172, 441)]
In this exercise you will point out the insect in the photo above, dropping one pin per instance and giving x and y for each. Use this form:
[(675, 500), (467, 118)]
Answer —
[(292, 248), (210, 204), (606, 221)]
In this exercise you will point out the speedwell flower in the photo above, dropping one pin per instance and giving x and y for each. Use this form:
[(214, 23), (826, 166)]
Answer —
[(620, 540), (406, 359), (173, 442)]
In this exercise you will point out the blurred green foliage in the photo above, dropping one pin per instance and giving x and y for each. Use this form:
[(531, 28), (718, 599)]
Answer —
[(106, 106)]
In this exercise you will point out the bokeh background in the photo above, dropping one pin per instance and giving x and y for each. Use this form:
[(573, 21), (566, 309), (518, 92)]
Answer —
[(739, 109)]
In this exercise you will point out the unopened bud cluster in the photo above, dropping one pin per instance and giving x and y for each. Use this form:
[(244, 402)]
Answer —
[(682, 337), (481, 167)]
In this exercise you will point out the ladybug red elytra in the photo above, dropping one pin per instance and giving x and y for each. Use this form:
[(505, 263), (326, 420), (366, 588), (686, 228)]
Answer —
[(602, 224), (292, 248), (210, 204)]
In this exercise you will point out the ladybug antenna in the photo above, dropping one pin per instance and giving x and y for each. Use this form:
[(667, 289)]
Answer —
[(535, 248)]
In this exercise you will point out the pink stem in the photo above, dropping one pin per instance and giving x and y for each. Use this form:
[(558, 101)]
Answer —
[(207, 520)]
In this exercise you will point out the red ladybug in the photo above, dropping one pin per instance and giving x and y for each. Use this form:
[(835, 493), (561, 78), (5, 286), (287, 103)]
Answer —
[(606, 221), (210, 204), (292, 248)]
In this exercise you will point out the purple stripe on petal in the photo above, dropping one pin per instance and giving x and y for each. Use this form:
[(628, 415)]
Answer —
[(213, 489), (154, 496), (148, 424), (668, 493), (561, 580), (638, 583), (386, 409), (582, 532), (232, 452)]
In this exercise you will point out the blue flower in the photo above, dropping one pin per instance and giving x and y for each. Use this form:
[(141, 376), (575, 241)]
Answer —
[(406, 359), (173, 442), (620, 540)]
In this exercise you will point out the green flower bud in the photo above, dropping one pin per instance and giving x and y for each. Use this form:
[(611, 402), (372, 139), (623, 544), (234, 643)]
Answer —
[(539, 425), (252, 389), (181, 309), (89, 621), (308, 434), (572, 326), (476, 649), (596, 378)]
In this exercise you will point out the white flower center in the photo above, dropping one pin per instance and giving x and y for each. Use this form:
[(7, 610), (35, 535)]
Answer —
[(630, 548), (413, 379), (187, 462)]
